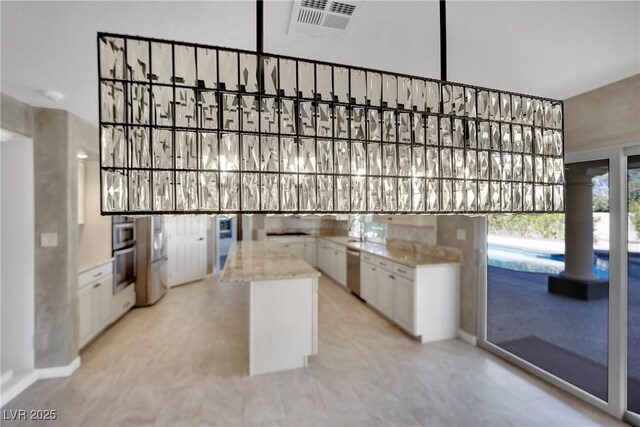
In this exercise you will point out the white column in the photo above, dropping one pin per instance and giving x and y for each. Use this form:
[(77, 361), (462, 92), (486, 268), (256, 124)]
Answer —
[(579, 226)]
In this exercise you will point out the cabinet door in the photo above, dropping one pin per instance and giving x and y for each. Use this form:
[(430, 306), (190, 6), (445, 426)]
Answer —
[(403, 303), (385, 293), (297, 249), (326, 258), (84, 315), (106, 293), (336, 271), (310, 253), (321, 258), (368, 284), (341, 262), (95, 308)]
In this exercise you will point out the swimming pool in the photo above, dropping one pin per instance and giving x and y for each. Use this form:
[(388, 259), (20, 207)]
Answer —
[(523, 260)]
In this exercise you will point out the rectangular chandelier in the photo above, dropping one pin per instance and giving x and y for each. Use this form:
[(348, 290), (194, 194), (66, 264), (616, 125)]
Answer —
[(193, 129)]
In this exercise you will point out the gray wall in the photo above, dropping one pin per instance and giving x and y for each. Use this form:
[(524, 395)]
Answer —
[(606, 116), (448, 227), (55, 136), (16, 116), (56, 268)]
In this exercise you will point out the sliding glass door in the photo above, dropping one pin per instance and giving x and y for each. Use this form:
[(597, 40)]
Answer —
[(561, 295), (633, 290), (547, 283)]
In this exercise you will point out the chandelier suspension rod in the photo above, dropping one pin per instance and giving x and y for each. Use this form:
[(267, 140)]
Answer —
[(443, 40), (259, 27)]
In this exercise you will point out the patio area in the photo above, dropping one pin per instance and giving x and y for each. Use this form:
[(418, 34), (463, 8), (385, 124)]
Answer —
[(564, 336)]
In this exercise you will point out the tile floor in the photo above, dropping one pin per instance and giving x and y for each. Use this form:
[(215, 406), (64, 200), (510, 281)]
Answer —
[(183, 362)]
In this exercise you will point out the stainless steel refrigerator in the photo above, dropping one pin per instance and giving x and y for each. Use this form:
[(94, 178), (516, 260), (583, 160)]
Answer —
[(151, 247)]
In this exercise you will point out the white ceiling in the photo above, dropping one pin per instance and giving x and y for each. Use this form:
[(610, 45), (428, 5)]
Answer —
[(555, 49)]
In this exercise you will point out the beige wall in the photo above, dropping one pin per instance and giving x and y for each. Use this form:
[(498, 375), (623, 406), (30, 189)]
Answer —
[(95, 233), (603, 117), (94, 239)]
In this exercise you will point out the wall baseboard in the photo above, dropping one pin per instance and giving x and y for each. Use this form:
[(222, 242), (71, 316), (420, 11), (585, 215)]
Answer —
[(59, 371), (22, 380), (467, 337), (19, 382)]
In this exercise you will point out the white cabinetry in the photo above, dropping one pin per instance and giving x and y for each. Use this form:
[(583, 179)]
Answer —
[(94, 302), (300, 246), (85, 327), (368, 283), (122, 302), (310, 251), (403, 307), (386, 288), (332, 259), (424, 301)]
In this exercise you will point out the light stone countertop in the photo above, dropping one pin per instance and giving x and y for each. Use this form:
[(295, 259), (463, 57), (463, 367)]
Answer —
[(251, 261), (401, 256), (89, 265)]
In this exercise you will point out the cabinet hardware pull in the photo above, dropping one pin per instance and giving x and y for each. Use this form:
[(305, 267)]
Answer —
[(97, 274), (97, 285), (391, 277)]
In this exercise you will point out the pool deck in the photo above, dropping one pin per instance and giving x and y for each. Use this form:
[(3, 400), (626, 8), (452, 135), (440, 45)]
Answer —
[(519, 306)]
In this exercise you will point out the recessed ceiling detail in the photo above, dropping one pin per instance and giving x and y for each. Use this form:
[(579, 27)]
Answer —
[(322, 18), (187, 128)]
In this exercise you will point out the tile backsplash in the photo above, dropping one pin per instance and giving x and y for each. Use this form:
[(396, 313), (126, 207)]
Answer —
[(425, 235)]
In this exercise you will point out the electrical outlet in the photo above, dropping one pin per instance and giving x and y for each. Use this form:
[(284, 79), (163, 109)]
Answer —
[(49, 240), (461, 234)]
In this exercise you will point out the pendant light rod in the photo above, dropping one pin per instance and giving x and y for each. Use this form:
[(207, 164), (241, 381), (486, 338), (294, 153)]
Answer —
[(443, 40), (259, 27)]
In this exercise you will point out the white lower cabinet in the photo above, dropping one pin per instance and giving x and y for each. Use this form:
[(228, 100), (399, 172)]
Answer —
[(424, 301), (339, 265), (310, 252), (403, 307), (94, 302), (300, 246), (368, 285), (332, 259), (85, 315), (386, 288), (324, 259)]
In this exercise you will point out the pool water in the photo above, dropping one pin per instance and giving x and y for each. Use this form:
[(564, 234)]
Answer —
[(523, 260)]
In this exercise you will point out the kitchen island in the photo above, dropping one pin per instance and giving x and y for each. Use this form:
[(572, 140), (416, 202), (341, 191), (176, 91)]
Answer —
[(283, 304)]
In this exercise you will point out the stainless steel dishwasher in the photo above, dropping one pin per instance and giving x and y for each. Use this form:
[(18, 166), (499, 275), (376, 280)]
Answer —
[(353, 271)]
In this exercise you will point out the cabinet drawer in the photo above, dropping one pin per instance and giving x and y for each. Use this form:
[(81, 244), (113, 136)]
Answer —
[(366, 257), (383, 263), (403, 270), (122, 302), (95, 274)]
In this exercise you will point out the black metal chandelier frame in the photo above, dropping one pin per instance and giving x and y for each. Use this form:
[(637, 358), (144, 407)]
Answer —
[(551, 190)]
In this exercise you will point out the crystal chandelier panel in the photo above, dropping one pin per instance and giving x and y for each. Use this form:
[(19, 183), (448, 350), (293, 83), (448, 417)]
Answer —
[(186, 128)]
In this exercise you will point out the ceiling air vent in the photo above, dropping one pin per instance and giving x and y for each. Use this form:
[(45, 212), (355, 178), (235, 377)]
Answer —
[(323, 18)]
